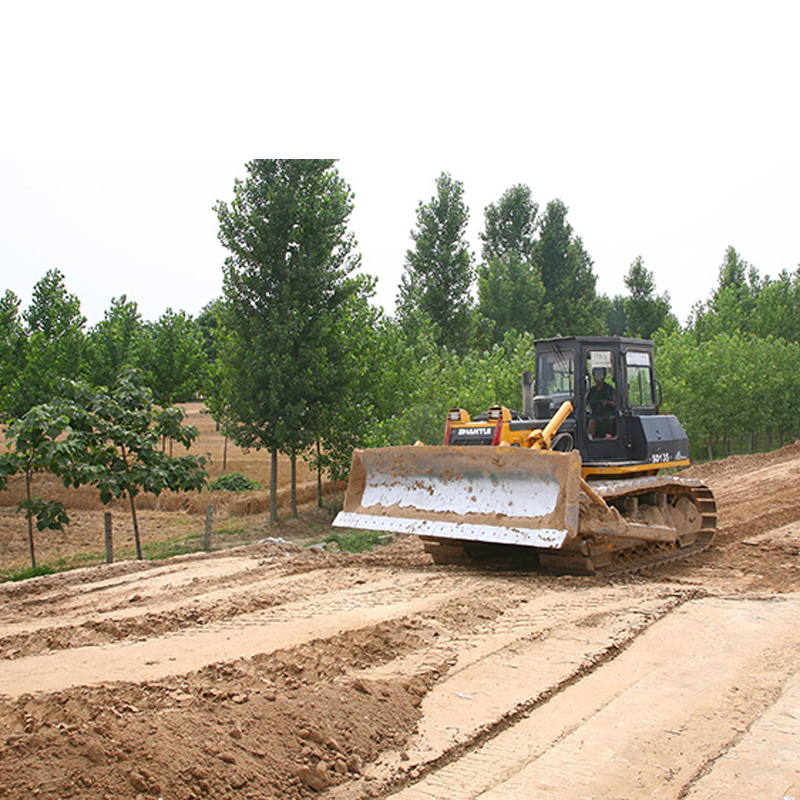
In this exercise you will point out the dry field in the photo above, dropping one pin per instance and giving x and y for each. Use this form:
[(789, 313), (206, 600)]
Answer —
[(275, 671), (171, 517)]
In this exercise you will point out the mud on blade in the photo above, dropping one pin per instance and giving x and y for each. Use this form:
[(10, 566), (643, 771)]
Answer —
[(498, 495)]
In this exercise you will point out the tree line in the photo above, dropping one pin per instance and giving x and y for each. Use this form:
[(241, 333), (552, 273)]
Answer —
[(295, 358)]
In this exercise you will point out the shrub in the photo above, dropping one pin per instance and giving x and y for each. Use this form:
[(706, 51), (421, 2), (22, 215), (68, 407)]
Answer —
[(233, 482)]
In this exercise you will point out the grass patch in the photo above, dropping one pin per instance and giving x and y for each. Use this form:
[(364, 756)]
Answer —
[(24, 574), (78, 560), (230, 529), (355, 541), (156, 551)]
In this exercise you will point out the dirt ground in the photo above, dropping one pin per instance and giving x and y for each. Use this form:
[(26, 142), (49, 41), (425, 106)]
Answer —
[(276, 671)]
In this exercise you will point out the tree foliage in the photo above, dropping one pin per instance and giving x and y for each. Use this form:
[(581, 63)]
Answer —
[(54, 343), (114, 443), (511, 296), (12, 353), (732, 304), (285, 281), (567, 274), (645, 311), (510, 225), (35, 445), (435, 285), (173, 358), (114, 343)]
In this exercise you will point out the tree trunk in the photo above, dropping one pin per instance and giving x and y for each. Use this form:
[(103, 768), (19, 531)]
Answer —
[(273, 485), (710, 450), (28, 477), (225, 453), (294, 485), (209, 523), (136, 528), (319, 474), (109, 537)]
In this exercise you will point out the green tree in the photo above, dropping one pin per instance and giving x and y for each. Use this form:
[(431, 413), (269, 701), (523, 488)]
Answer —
[(510, 225), (614, 314), (12, 352), (510, 289), (566, 272), (173, 358), (645, 311), (352, 413), (730, 387), (511, 295), (285, 281), (55, 343), (35, 445), (438, 274), (114, 443), (208, 323), (428, 381), (777, 307), (732, 305), (114, 343)]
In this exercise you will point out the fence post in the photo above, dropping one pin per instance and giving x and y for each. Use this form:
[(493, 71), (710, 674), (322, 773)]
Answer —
[(207, 536), (109, 538)]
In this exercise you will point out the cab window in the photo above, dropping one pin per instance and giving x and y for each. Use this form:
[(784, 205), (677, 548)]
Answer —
[(601, 395), (555, 374), (639, 377)]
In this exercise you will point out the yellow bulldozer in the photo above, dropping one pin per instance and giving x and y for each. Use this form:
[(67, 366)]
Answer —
[(571, 481)]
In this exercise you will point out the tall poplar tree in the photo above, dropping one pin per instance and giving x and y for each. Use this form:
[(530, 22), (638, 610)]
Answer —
[(566, 271), (435, 285), (284, 283), (510, 290), (645, 310), (510, 224)]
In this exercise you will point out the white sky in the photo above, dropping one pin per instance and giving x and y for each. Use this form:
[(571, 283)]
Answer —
[(669, 130)]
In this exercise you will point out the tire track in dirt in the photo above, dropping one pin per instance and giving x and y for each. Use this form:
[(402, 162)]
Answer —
[(497, 677), (178, 596), (317, 617), (678, 698)]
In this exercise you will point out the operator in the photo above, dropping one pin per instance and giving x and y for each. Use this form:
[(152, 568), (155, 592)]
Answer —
[(600, 406)]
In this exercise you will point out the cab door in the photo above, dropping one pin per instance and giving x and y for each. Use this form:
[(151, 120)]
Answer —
[(604, 426)]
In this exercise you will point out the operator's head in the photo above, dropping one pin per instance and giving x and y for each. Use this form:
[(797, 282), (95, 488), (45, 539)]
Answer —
[(599, 374)]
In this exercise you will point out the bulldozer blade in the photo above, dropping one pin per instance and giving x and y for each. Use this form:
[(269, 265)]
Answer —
[(498, 495)]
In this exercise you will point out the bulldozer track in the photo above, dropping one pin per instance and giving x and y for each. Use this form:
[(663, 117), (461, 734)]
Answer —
[(638, 558), (649, 555)]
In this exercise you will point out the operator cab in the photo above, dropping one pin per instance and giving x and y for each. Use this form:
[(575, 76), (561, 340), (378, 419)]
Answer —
[(611, 384)]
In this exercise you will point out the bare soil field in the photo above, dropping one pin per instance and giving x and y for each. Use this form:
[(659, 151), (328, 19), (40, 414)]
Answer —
[(271, 670)]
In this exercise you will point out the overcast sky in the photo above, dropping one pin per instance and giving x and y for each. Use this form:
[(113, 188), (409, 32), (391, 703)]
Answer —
[(670, 131)]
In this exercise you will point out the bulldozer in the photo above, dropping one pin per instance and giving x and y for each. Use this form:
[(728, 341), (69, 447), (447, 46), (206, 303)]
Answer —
[(581, 480)]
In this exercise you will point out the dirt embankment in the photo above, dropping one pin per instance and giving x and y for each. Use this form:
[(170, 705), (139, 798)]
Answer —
[(272, 671)]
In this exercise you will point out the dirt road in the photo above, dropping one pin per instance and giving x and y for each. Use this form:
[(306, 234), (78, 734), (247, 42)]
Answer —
[(273, 671)]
